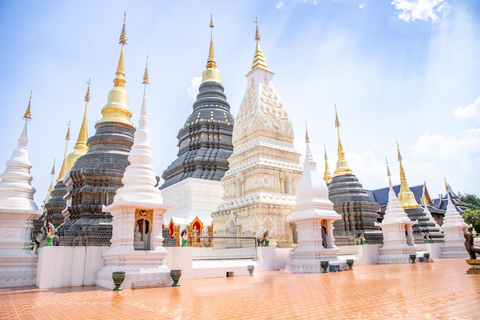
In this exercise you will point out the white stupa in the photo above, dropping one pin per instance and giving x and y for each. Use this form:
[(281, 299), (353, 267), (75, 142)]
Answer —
[(137, 219), (396, 226), (428, 215), (453, 228), (18, 265), (314, 216)]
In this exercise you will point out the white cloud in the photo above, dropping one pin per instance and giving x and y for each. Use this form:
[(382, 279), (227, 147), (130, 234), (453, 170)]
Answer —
[(411, 10), (471, 111), (363, 4), (279, 4), (193, 90)]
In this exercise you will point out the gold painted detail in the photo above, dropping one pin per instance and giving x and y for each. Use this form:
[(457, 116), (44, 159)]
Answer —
[(145, 76), (142, 214), (28, 114), (258, 58), (405, 196), (343, 168)]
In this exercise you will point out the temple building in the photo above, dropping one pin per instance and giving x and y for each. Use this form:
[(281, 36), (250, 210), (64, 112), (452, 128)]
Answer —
[(264, 169), (56, 204), (442, 201), (192, 181), (95, 177), (358, 211), (18, 265)]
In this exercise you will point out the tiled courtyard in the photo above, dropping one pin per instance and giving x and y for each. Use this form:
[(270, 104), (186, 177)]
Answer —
[(439, 290)]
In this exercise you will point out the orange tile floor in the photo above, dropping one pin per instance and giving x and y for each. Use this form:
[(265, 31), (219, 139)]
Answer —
[(439, 290)]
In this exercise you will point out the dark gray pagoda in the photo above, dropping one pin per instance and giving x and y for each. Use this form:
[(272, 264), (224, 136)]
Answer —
[(351, 201), (205, 141), (96, 176)]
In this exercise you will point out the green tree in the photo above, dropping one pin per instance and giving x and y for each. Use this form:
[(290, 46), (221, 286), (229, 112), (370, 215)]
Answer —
[(472, 213)]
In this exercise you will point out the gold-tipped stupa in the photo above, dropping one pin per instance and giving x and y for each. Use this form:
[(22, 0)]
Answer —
[(28, 114), (343, 169), (117, 109), (405, 196), (211, 72)]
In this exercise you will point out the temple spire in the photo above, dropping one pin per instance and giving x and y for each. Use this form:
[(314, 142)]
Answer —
[(49, 194), (308, 153), (211, 73), (64, 163), (28, 114), (390, 185), (327, 175), (119, 81), (116, 109), (143, 112), (258, 58), (405, 196), (343, 168), (23, 140), (81, 144)]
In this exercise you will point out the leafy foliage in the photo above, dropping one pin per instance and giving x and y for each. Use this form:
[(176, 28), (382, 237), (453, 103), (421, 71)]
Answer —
[(472, 213)]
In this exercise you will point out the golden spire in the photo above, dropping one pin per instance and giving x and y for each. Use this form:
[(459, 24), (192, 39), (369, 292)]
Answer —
[(405, 196), (327, 175), (64, 164), (343, 169), (119, 81), (49, 194), (28, 114), (145, 76), (258, 59), (81, 146), (307, 140), (211, 73), (117, 109)]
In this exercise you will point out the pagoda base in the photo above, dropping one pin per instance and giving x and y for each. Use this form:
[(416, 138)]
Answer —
[(193, 197), (310, 263), (142, 269), (18, 270), (394, 255), (454, 250)]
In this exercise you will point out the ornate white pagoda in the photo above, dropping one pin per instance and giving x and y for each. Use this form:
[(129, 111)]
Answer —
[(137, 212), (453, 228), (264, 169), (18, 265), (396, 226), (314, 216)]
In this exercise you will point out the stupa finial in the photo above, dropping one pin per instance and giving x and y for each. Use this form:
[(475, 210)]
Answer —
[(342, 165), (308, 153), (307, 139), (390, 185), (28, 114), (119, 80), (83, 135), (49, 196), (405, 195), (145, 75), (258, 59), (64, 163), (211, 73), (327, 175)]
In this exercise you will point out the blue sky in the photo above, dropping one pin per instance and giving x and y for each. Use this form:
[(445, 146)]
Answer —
[(398, 70)]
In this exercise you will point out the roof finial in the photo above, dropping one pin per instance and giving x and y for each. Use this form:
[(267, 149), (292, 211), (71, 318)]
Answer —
[(327, 175), (446, 184), (342, 165), (119, 81), (145, 76), (307, 140), (258, 59), (28, 114)]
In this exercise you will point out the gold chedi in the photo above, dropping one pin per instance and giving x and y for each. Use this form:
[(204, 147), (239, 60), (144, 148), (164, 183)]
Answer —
[(405, 196)]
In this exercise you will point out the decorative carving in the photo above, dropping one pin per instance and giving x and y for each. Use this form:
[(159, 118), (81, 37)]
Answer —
[(145, 215)]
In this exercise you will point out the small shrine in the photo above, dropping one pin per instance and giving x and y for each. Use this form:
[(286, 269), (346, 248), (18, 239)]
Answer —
[(454, 228), (397, 231), (314, 216), (177, 232), (137, 219), (18, 265)]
